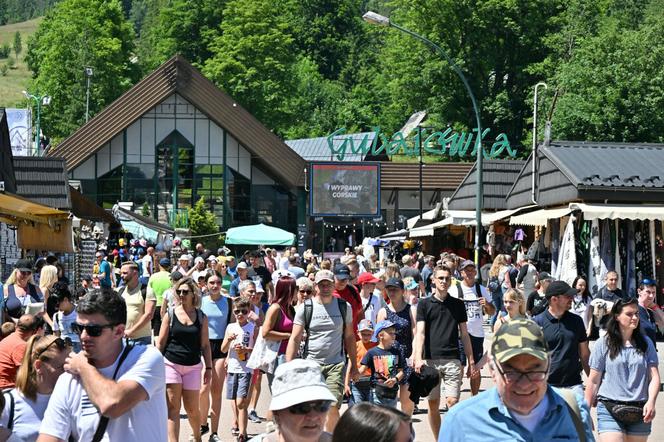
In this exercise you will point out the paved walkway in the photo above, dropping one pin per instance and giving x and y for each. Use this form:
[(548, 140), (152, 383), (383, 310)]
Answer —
[(420, 423)]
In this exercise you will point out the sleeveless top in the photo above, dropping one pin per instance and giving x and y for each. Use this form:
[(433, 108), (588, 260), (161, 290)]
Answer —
[(15, 304), (184, 342), (285, 325), (403, 335)]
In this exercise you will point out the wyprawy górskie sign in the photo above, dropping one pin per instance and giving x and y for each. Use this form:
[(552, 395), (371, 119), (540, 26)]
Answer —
[(448, 142)]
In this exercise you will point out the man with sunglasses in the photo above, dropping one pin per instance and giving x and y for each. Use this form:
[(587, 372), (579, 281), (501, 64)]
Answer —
[(650, 315), (125, 384), (441, 322), (521, 406)]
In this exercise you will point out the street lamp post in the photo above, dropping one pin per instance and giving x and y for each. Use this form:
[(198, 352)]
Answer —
[(40, 100), (377, 19), (88, 76)]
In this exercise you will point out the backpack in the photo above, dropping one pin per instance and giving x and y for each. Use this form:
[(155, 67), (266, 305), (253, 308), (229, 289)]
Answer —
[(10, 419), (309, 312), (144, 290), (478, 291)]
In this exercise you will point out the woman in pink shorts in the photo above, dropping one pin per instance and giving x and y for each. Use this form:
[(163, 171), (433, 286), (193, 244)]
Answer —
[(183, 338)]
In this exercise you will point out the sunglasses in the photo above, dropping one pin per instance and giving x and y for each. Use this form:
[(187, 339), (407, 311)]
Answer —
[(240, 312), (23, 272), (182, 292), (94, 330), (59, 342), (308, 407), (304, 291)]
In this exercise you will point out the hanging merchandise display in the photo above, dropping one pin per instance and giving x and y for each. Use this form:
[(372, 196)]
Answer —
[(566, 268), (595, 265)]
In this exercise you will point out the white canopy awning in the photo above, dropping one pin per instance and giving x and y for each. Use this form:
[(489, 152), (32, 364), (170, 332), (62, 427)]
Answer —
[(454, 217), (429, 215), (539, 217), (489, 218), (601, 211)]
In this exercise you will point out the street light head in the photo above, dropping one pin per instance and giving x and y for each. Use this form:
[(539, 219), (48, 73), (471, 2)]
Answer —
[(26, 94), (46, 100), (89, 72), (376, 19)]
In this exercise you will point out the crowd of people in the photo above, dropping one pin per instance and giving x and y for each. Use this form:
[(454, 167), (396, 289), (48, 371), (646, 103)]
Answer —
[(147, 334)]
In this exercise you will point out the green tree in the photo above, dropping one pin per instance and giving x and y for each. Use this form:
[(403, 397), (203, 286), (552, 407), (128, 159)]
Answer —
[(202, 222), (75, 34), (18, 45), (253, 58)]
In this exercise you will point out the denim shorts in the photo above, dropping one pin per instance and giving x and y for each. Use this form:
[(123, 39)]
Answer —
[(607, 424)]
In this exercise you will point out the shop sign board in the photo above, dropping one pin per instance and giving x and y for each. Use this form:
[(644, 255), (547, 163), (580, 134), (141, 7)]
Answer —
[(448, 142), (350, 189)]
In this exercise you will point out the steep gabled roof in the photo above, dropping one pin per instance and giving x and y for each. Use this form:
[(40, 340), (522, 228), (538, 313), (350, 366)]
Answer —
[(43, 180), (178, 75), (498, 176)]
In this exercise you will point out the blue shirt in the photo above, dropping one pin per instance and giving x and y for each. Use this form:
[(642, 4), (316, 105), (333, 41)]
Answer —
[(626, 377), (105, 267), (218, 313), (647, 324), (485, 418), (235, 288)]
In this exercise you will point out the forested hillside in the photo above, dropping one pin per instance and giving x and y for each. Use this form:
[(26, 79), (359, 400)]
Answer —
[(307, 67)]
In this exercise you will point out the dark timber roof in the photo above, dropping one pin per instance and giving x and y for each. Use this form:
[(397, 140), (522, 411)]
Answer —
[(569, 171), (43, 180), (438, 176), (498, 176), (178, 75)]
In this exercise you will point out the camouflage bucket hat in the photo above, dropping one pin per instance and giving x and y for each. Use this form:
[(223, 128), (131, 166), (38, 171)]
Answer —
[(518, 337)]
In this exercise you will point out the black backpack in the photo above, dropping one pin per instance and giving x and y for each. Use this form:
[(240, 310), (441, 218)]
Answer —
[(309, 312), (144, 290)]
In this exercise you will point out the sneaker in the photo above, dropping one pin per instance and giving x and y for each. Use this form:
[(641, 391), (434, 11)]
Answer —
[(204, 429), (253, 417), (214, 438)]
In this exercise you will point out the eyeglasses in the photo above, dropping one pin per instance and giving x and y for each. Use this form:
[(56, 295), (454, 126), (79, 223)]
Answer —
[(59, 342), (240, 312), (305, 291), (308, 407), (23, 272), (514, 376), (94, 330), (444, 278), (182, 292)]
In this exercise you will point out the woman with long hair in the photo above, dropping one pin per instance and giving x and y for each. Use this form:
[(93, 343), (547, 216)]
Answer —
[(47, 279), (392, 271), (278, 323), (368, 422), (515, 305), (624, 377), (20, 290), (218, 310), (42, 365), (183, 338), (581, 303), (496, 280), (402, 315), (226, 278)]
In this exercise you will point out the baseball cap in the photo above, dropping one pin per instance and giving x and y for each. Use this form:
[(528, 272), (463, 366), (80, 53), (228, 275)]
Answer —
[(24, 265), (382, 325), (212, 258), (296, 382), (176, 276), (165, 262), (559, 288), (544, 276), (466, 263), (412, 285), (519, 337), (365, 325), (184, 257), (324, 275), (259, 287), (366, 278), (242, 265), (341, 271), (394, 282), (199, 259)]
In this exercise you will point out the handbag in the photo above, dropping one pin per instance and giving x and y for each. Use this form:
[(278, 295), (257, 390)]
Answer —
[(264, 354), (625, 412)]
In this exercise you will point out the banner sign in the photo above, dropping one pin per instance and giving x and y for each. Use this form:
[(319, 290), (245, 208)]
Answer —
[(20, 131), (351, 189), (448, 142)]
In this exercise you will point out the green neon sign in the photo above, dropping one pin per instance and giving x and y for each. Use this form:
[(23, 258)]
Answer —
[(448, 142)]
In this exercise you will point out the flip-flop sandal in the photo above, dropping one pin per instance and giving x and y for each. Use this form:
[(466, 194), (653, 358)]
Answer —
[(235, 431)]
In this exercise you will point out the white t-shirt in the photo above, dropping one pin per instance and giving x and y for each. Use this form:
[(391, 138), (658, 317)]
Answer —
[(473, 307), (27, 416), (245, 336), (147, 267), (70, 409), (531, 420), (371, 311), (62, 323)]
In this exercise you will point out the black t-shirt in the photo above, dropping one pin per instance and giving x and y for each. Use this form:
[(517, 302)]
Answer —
[(612, 295), (536, 304), (384, 364), (441, 326), (563, 337)]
